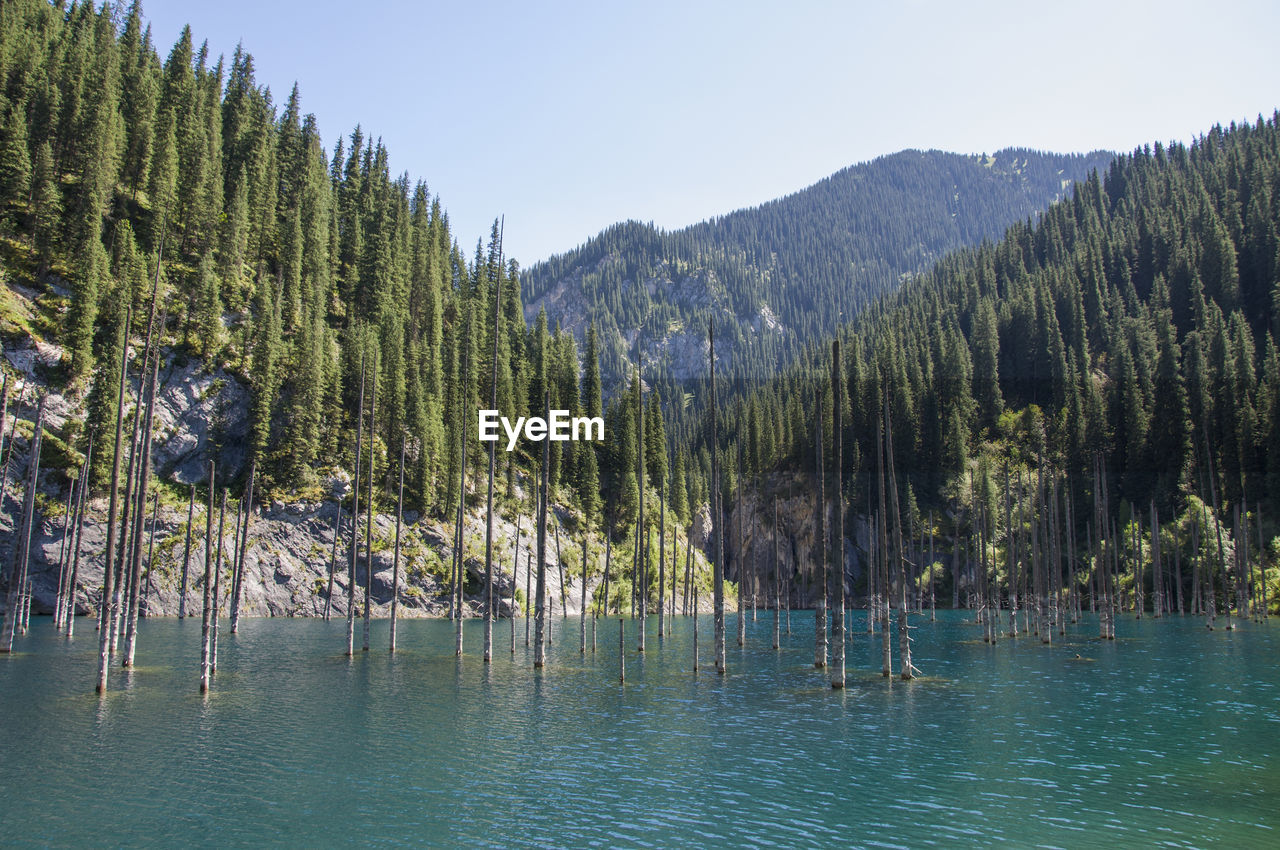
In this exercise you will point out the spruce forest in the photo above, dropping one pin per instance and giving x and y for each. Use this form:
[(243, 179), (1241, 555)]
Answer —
[(1096, 390), (1111, 368), (282, 262)]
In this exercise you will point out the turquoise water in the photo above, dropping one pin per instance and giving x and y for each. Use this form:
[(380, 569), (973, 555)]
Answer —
[(1169, 735)]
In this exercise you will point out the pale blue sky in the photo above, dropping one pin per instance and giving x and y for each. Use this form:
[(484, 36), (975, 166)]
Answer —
[(567, 117)]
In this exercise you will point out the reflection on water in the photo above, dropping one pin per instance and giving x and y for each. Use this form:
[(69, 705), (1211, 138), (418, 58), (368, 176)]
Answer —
[(1170, 735)]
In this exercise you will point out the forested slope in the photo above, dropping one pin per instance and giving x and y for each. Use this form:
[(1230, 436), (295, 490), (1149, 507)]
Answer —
[(788, 271), (1128, 334)]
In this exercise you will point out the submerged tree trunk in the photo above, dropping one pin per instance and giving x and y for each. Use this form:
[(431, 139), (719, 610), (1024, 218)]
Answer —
[(81, 506), (205, 645), (820, 556), (186, 557), (144, 482), (515, 582), (837, 531), (22, 545), (63, 551), (904, 626), (242, 553), (777, 583), (459, 570), (742, 551), (695, 628), (540, 606), (882, 545), (1217, 524), (717, 569), (582, 638), (564, 598), (217, 587), (662, 558), (493, 405), (355, 521), (333, 559), (368, 522), (1262, 568), (608, 553), (642, 545), (395, 561), (151, 549)]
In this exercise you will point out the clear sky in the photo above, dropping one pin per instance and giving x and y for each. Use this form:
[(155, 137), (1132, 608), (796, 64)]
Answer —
[(568, 117)]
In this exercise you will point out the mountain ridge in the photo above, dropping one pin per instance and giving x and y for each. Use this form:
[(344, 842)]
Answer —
[(796, 265)]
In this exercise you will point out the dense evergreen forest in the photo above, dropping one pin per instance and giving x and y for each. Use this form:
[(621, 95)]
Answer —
[(783, 274), (1125, 341), (288, 264)]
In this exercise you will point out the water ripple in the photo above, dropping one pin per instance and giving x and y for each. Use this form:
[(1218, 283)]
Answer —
[(1167, 736)]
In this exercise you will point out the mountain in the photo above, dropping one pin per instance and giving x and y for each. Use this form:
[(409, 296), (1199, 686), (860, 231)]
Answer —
[(790, 270), (1116, 360)]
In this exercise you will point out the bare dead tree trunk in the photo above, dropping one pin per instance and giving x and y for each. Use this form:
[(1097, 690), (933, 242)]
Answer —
[(1262, 568), (128, 510), (4, 419), (882, 545), (1197, 594), (564, 598), (695, 628), (742, 550), (820, 544), (608, 553), (1217, 524), (904, 626), (333, 559), (717, 569), (63, 550), (22, 547), (81, 506), (151, 549), (186, 557), (355, 522), (582, 637), (368, 522), (777, 583), (493, 405), (1177, 562), (675, 560), (1157, 578), (217, 588), (205, 635), (662, 556), (515, 581), (8, 456), (237, 586), (837, 532), (642, 545), (395, 561), (458, 555), (540, 607), (144, 481), (933, 601), (685, 599)]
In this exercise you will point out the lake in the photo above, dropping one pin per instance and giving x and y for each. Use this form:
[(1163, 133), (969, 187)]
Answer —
[(1168, 735)]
